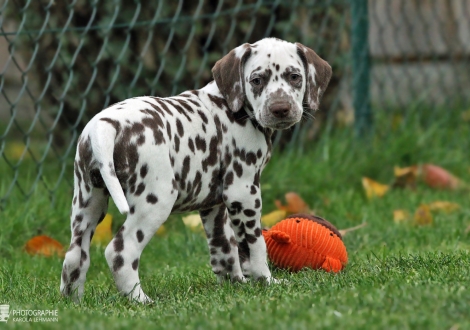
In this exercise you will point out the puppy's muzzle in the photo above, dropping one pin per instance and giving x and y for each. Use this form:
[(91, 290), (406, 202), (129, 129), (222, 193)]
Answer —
[(280, 110)]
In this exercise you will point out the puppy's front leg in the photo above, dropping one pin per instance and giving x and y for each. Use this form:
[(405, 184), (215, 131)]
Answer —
[(243, 202)]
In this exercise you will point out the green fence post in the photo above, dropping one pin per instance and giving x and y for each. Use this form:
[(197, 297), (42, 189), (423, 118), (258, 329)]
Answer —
[(360, 66)]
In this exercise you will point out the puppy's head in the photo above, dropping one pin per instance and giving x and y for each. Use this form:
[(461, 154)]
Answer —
[(274, 78)]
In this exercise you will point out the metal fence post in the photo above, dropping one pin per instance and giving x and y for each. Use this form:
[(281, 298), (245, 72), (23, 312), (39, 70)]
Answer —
[(360, 66)]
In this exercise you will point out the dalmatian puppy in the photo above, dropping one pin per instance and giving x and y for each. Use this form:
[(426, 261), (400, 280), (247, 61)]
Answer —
[(202, 150)]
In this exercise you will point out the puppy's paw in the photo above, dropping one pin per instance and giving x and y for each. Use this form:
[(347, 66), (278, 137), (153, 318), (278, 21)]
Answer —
[(278, 281)]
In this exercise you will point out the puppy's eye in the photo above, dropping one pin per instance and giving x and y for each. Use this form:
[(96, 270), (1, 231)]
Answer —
[(295, 77), (256, 81)]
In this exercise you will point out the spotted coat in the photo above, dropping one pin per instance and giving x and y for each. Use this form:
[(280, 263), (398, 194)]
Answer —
[(203, 150)]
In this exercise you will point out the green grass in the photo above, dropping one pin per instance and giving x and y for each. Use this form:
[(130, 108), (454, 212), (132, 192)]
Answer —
[(399, 276)]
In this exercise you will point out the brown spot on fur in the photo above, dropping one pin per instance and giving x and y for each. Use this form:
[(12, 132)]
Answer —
[(152, 199), (144, 170), (237, 167), (114, 123), (118, 262), (140, 235), (191, 145), (74, 275), (179, 127), (135, 264), (200, 143), (250, 224)]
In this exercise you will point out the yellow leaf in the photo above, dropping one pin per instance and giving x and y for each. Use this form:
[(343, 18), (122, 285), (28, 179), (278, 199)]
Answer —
[(193, 222), (405, 177), (397, 120), (295, 204), (161, 231), (467, 230), (423, 215), (272, 218), (400, 216), (103, 233), (44, 245), (374, 188), (466, 115), (15, 151), (443, 206)]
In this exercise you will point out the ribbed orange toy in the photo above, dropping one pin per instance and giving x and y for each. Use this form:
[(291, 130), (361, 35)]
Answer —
[(303, 240)]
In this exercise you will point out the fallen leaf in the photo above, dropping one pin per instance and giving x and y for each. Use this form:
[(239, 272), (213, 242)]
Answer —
[(347, 230), (193, 222), (467, 230), (272, 218), (344, 117), (423, 215), (374, 188), (437, 177), (443, 206), (401, 216), (161, 231), (397, 120), (44, 245), (295, 204), (405, 177), (103, 233), (466, 115), (16, 151)]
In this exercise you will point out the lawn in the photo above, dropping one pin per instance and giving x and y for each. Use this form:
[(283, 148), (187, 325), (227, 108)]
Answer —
[(399, 275)]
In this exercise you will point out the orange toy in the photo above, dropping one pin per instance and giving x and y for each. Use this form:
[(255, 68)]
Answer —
[(303, 240)]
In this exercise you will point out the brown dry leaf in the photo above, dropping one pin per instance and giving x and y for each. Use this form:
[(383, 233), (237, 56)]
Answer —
[(44, 245), (193, 222), (437, 177), (347, 230), (272, 218), (295, 204), (374, 188), (423, 216), (444, 206), (103, 233), (405, 177), (401, 216)]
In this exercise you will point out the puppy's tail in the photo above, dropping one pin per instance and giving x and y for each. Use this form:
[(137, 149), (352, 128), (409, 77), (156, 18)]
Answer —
[(102, 142)]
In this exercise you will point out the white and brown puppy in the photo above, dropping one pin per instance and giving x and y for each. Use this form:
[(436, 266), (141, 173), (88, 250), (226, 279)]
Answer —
[(201, 150)]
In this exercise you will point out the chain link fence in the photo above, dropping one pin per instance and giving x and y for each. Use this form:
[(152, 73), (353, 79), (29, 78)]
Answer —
[(62, 62)]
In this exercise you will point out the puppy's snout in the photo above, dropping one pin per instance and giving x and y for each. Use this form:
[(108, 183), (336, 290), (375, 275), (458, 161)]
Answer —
[(280, 110)]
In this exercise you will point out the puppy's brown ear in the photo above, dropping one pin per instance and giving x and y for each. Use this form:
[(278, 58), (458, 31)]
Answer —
[(318, 74), (228, 75)]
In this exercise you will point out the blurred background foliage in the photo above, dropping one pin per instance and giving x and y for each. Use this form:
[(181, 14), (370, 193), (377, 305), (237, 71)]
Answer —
[(61, 62)]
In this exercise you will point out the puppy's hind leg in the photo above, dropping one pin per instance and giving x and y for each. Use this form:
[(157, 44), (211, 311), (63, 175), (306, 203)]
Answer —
[(88, 209), (150, 205)]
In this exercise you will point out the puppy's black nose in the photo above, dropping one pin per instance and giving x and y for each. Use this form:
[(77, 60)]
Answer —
[(280, 110)]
